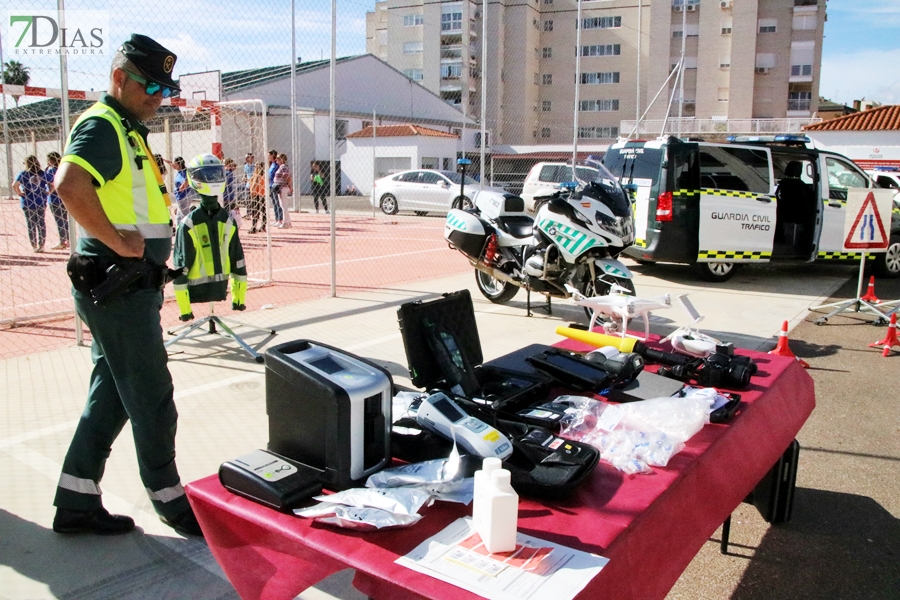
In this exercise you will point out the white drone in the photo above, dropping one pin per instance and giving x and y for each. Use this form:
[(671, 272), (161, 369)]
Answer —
[(620, 307), (687, 340)]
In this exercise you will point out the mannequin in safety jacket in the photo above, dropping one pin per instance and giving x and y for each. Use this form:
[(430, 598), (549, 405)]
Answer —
[(207, 244)]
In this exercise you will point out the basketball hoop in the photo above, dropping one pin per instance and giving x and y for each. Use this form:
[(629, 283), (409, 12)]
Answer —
[(187, 112)]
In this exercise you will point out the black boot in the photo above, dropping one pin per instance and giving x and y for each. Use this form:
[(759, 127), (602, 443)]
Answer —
[(185, 523), (91, 521)]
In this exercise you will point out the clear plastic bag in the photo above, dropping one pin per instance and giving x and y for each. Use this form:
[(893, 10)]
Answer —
[(636, 436)]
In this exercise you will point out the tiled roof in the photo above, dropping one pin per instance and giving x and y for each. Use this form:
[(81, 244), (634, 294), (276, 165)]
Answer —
[(883, 118), (400, 131)]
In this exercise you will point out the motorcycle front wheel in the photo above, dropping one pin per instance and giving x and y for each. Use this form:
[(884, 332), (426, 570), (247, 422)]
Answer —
[(498, 292), (601, 287)]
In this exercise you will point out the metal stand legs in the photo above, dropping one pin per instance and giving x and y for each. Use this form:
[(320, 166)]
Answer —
[(214, 321)]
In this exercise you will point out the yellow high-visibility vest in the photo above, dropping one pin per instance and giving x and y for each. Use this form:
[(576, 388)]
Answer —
[(134, 199)]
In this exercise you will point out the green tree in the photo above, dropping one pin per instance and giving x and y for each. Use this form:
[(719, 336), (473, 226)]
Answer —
[(15, 73)]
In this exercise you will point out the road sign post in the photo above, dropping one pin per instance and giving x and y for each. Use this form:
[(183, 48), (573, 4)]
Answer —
[(864, 232)]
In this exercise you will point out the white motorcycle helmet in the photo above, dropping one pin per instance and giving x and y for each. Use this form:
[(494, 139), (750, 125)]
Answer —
[(206, 175)]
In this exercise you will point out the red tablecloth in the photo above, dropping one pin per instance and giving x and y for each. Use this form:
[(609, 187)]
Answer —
[(649, 526)]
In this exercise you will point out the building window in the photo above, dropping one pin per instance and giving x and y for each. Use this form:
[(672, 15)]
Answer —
[(600, 78), (547, 79), (412, 48), (451, 18), (430, 162), (726, 30), (723, 94), (599, 105), (547, 53), (801, 70), (602, 22), (768, 25), (413, 20), (340, 129), (451, 71), (602, 50), (677, 33), (545, 106), (548, 1), (414, 74), (545, 132), (805, 22), (536, 78), (725, 62), (598, 132), (548, 26), (799, 100)]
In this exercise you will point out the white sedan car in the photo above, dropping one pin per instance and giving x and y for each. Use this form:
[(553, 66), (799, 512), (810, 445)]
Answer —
[(423, 191)]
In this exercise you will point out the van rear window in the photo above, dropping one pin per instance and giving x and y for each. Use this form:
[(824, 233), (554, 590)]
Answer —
[(634, 163)]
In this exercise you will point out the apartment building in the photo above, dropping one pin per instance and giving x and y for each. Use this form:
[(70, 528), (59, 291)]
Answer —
[(750, 66)]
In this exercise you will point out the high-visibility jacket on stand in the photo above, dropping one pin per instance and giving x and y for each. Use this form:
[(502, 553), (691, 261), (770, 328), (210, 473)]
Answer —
[(208, 246)]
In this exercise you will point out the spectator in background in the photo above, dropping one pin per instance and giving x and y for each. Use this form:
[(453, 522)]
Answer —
[(248, 173), (318, 186), (57, 208), (229, 199), (282, 184), (30, 185), (182, 195), (276, 201), (257, 209)]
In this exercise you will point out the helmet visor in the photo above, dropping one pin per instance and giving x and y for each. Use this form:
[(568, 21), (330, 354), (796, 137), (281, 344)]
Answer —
[(207, 174)]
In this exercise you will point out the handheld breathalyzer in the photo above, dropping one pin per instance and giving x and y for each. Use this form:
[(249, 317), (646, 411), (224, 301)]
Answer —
[(440, 414)]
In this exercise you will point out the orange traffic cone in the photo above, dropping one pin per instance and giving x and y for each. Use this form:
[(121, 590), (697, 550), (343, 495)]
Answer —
[(870, 292), (781, 349), (890, 340)]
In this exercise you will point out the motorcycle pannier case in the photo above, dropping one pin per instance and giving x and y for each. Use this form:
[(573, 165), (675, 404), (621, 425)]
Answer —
[(453, 317), (466, 232)]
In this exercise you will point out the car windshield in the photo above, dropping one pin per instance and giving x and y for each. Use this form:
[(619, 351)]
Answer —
[(457, 178)]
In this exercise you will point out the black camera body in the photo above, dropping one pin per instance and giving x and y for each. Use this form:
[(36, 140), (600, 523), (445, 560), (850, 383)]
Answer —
[(722, 368), (621, 365)]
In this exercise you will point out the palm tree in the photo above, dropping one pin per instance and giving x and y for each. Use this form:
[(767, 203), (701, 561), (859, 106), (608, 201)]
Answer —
[(15, 73)]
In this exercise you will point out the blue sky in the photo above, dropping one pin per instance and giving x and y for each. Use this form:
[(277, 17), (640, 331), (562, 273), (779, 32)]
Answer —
[(860, 57)]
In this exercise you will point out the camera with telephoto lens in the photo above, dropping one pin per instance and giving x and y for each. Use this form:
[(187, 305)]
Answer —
[(620, 365), (716, 370)]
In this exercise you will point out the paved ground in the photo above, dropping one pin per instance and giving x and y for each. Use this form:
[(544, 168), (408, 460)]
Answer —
[(841, 543)]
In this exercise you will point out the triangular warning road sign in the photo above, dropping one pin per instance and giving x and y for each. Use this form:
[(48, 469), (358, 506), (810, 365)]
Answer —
[(870, 235)]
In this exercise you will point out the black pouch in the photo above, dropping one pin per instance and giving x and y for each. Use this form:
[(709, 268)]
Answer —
[(86, 272)]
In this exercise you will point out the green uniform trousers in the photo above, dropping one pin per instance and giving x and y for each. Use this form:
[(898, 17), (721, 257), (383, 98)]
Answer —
[(131, 380)]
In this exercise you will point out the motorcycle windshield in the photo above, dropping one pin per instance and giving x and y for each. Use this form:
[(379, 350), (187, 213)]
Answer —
[(603, 186)]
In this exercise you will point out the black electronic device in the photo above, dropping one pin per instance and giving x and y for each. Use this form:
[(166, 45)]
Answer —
[(548, 415), (330, 410), (645, 386), (571, 370), (622, 366), (443, 349), (272, 480)]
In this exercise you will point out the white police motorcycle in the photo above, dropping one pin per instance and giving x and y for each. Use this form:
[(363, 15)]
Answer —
[(574, 239)]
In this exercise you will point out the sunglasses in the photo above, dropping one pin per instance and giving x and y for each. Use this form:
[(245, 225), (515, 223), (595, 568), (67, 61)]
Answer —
[(151, 87)]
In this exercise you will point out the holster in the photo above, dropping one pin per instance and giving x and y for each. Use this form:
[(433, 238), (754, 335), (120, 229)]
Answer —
[(105, 278)]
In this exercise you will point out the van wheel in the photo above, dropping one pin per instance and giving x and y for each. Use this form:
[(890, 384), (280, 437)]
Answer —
[(498, 292), (887, 264), (715, 271), (389, 205)]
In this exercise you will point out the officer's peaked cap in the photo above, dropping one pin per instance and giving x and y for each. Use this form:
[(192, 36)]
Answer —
[(154, 61)]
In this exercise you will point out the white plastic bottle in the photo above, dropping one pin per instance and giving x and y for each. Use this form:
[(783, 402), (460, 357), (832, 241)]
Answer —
[(482, 482), (500, 514)]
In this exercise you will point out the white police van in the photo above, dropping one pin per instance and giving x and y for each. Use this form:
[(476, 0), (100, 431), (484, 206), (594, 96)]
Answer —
[(751, 200)]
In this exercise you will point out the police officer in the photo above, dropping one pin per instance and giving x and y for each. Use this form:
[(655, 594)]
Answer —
[(110, 183)]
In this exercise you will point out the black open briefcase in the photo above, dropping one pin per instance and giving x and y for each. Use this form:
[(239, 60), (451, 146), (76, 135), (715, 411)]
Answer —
[(452, 317)]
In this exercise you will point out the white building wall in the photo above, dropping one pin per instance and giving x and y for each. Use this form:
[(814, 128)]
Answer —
[(860, 145), (356, 162)]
